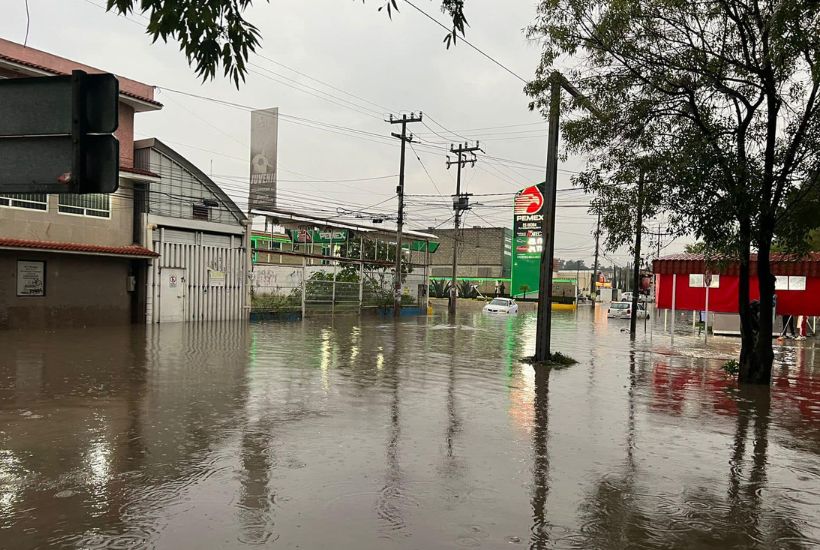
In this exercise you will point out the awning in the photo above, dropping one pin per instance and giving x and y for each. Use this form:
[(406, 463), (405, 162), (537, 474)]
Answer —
[(130, 251)]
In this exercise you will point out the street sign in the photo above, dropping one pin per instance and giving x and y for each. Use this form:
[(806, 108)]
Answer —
[(56, 134)]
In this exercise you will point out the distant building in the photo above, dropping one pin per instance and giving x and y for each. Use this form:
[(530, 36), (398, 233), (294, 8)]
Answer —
[(483, 253), (199, 234)]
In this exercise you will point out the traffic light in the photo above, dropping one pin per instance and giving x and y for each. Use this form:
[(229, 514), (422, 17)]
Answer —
[(56, 134)]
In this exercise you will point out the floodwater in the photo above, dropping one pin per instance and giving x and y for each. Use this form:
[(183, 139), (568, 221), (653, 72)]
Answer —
[(365, 433)]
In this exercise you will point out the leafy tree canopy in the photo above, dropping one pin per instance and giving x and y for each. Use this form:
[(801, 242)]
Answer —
[(214, 33)]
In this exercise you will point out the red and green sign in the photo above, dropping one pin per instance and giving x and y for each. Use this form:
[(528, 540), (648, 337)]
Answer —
[(528, 241)]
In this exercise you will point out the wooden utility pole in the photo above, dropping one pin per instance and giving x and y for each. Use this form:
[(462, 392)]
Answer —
[(460, 203), (636, 275), (595, 266), (405, 139), (543, 327)]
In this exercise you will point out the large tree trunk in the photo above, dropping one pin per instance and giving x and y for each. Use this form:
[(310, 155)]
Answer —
[(748, 321), (764, 355), (756, 355)]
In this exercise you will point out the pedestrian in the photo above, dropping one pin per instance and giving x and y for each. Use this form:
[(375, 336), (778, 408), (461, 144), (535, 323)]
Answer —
[(497, 285), (788, 326), (502, 288)]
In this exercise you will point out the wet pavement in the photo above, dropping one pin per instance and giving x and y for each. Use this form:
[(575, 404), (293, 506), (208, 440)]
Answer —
[(365, 433)]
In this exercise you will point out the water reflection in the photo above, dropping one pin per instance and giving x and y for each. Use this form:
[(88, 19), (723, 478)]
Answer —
[(540, 435), (365, 433)]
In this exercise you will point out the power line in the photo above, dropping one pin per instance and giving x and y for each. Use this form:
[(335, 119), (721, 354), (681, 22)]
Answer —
[(476, 48)]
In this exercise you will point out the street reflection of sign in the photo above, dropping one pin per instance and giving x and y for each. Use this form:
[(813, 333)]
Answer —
[(31, 278), (528, 240)]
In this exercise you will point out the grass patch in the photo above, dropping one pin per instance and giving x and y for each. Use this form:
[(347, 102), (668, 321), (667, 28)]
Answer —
[(731, 367), (556, 359)]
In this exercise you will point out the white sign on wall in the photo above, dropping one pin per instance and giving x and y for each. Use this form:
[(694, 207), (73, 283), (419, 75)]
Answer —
[(31, 278), (216, 278), (783, 282)]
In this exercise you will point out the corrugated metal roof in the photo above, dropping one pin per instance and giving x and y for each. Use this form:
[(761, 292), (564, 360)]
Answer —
[(781, 264), (131, 251)]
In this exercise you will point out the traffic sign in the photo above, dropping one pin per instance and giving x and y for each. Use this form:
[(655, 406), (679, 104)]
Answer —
[(56, 134)]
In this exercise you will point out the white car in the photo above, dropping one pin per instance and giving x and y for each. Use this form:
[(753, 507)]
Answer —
[(501, 305), (623, 310)]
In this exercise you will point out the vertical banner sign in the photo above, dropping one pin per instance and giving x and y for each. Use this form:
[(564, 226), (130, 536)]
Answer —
[(264, 137), (528, 241)]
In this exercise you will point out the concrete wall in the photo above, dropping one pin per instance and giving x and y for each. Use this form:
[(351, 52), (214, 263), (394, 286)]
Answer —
[(51, 225), (480, 253), (68, 299)]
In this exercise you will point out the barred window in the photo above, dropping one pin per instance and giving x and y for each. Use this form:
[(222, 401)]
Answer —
[(97, 205), (33, 201)]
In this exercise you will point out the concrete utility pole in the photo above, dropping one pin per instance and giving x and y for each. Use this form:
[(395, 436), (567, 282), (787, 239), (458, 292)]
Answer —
[(636, 276), (595, 266), (460, 203), (544, 322), (405, 139)]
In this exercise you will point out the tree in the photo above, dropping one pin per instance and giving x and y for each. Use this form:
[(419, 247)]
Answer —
[(722, 97), (571, 265), (214, 33), (695, 248)]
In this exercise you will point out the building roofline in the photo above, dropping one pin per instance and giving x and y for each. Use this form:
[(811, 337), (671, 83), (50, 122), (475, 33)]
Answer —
[(138, 101), (129, 251), (298, 216), (211, 185)]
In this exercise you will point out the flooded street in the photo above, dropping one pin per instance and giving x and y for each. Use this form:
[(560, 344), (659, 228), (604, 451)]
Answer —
[(364, 433)]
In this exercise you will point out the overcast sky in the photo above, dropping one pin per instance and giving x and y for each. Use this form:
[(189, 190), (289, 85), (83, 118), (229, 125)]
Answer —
[(375, 66)]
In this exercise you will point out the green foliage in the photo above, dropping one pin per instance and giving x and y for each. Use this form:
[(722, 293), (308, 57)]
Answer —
[(466, 290), (695, 248), (214, 33), (573, 264), (716, 101), (439, 288), (731, 367), (276, 303)]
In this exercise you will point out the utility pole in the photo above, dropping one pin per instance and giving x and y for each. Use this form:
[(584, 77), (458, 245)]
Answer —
[(636, 276), (595, 266), (659, 240), (460, 203), (405, 139), (543, 327)]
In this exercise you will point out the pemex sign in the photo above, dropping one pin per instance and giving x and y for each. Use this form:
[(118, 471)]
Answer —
[(528, 241)]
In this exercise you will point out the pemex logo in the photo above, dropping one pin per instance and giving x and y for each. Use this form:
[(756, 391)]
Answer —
[(529, 201)]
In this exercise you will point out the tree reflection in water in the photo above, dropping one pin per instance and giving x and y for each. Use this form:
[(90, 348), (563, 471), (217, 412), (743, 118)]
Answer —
[(621, 511)]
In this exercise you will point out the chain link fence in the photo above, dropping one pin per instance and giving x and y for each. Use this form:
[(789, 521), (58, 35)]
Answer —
[(339, 288)]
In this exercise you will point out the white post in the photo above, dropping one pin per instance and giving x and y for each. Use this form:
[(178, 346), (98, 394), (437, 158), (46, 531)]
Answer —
[(361, 285), (706, 316), (304, 285), (694, 320), (426, 276), (674, 298), (333, 292)]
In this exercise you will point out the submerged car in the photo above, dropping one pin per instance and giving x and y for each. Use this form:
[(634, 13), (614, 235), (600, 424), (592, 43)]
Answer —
[(501, 305), (623, 310)]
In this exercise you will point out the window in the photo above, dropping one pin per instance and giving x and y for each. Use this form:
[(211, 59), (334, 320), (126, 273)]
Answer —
[(32, 201), (96, 205), (200, 212)]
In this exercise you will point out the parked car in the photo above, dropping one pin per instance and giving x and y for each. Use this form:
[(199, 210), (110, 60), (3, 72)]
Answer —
[(627, 297), (501, 305), (623, 310)]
